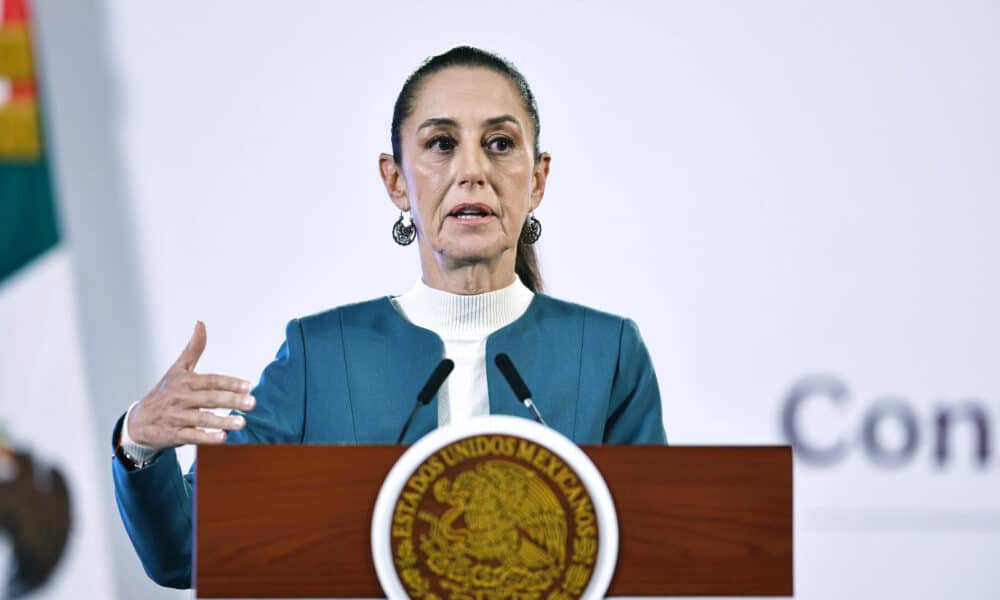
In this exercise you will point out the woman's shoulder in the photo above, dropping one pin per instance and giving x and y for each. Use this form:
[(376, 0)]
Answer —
[(569, 307), (354, 313), (550, 307)]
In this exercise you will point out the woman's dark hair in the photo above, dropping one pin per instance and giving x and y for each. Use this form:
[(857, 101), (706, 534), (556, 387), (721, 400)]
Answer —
[(526, 266)]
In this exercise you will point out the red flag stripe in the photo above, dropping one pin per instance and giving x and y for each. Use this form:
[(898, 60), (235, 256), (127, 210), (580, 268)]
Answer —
[(15, 11)]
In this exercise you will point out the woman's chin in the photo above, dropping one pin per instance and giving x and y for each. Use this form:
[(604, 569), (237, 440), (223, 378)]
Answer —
[(473, 250)]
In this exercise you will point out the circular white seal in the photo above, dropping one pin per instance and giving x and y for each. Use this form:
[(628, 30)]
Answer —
[(545, 437)]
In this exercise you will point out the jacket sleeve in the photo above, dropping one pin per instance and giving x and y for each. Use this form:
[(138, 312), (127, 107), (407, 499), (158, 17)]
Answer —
[(635, 414), (155, 502), (155, 506)]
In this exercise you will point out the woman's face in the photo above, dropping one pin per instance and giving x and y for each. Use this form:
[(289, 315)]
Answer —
[(468, 169)]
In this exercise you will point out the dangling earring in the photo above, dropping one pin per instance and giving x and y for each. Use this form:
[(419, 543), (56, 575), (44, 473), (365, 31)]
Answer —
[(404, 234), (532, 229)]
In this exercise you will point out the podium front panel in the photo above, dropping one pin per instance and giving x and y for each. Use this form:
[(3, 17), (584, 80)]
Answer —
[(294, 521)]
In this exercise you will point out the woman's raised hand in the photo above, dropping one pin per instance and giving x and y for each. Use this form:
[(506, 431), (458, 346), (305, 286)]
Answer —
[(171, 414)]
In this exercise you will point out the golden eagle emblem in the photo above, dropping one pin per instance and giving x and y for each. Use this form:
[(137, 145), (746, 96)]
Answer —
[(491, 520), (501, 513)]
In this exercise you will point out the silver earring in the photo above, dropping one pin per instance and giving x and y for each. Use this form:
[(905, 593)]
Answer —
[(532, 229), (404, 234)]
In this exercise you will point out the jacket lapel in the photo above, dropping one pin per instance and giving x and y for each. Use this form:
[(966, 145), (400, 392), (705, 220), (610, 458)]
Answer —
[(388, 360), (545, 348)]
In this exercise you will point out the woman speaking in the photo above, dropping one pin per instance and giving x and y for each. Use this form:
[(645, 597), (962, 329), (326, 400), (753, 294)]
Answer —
[(467, 175)]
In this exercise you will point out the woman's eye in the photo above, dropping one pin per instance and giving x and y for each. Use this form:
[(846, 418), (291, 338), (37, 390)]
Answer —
[(500, 144), (441, 143)]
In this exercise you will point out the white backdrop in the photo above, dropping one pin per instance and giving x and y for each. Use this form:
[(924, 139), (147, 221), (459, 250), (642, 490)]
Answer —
[(774, 191)]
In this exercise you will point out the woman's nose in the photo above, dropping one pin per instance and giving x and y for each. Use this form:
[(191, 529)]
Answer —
[(472, 165)]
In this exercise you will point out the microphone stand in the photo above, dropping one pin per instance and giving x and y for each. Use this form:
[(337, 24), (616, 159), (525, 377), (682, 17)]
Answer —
[(427, 392), (517, 384)]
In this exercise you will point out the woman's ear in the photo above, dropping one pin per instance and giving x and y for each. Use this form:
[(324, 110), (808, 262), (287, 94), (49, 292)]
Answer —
[(538, 179), (395, 183)]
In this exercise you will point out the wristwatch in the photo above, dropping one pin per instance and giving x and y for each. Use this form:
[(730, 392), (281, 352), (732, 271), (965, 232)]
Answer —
[(128, 461)]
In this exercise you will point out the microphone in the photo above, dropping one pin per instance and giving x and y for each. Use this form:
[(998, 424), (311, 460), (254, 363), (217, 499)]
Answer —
[(427, 392), (517, 384)]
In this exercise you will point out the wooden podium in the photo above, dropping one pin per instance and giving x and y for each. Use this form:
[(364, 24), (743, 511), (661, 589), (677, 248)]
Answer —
[(294, 521)]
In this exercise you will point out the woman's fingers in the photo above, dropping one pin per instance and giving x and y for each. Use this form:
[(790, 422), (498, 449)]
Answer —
[(208, 420), (213, 381), (170, 414), (218, 399), (191, 435), (192, 352)]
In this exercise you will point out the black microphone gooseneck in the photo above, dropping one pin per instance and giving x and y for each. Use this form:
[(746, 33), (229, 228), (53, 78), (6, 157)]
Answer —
[(427, 392), (517, 384)]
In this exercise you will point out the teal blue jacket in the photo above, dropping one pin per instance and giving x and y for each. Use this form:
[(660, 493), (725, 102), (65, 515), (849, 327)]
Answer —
[(351, 374)]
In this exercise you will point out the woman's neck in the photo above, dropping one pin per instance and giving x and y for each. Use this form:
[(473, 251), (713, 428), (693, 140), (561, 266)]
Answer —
[(468, 277)]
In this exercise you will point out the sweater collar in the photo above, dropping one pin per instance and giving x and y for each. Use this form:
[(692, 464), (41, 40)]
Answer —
[(451, 315)]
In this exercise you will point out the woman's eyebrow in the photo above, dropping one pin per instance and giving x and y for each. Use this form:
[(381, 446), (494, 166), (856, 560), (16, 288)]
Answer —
[(501, 119), (438, 122), (449, 122)]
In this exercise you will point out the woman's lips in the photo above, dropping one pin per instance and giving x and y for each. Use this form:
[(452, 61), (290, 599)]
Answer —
[(470, 219), (471, 213), (471, 207)]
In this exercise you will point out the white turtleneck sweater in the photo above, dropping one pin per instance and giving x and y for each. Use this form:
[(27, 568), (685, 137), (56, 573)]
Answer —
[(463, 322)]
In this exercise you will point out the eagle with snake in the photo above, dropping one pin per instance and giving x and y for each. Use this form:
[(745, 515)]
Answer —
[(504, 531)]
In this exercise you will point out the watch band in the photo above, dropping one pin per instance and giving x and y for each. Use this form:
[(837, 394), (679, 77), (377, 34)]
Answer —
[(130, 462)]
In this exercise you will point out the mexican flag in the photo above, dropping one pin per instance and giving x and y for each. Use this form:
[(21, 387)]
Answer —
[(47, 444)]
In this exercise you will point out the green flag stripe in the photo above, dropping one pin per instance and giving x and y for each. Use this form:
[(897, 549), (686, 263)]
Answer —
[(28, 225)]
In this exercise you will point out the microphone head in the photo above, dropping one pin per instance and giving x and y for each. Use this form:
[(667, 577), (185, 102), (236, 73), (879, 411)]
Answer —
[(513, 378), (430, 388)]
